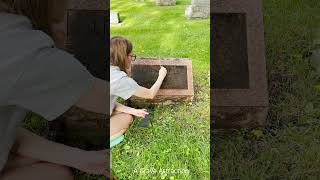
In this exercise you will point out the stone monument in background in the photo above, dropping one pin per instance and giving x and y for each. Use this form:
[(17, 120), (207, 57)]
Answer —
[(114, 17), (165, 2), (198, 9)]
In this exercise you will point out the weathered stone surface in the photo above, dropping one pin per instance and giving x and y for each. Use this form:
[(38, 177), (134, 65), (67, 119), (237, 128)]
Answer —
[(165, 2), (114, 18), (176, 87), (239, 96), (176, 77), (198, 9)]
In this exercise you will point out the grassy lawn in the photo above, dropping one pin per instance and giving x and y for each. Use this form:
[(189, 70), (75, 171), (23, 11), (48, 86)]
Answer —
[(180, 136), (288, 148)]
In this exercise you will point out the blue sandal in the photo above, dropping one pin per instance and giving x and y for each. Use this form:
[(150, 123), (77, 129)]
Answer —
[(116, 140)]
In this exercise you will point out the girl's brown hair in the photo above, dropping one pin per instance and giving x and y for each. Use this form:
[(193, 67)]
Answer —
[(36, 10), (120, 48)]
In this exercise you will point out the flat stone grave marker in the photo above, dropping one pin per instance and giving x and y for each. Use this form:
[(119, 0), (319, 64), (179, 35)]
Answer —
[(198, 9), (165, 2), (86, 37), (176, 87), (239, 96)]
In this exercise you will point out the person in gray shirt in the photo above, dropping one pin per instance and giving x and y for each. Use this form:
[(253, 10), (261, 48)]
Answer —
[(123, 86), (39, 77)]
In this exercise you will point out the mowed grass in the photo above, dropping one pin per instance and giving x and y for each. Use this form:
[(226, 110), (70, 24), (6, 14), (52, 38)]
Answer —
[(288, 148), (177, 145)]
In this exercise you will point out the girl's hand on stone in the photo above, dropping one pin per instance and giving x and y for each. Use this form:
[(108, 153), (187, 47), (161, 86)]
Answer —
[(139, 112), (162, 72)]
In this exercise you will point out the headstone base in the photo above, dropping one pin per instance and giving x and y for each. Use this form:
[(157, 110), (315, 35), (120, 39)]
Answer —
[(238, 117), (80, 128)]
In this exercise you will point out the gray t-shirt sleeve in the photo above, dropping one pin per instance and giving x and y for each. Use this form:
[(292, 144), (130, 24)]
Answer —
[(36, 75), (51, 84), (126, 87)]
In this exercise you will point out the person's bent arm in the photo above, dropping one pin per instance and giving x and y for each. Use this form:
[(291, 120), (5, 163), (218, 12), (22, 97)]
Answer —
[(36, 147), (146, 93)]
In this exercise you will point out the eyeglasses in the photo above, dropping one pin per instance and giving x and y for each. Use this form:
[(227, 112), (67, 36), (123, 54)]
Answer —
[(134, 57)]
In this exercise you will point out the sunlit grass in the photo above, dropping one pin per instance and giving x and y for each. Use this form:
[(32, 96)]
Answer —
[(180, 136)]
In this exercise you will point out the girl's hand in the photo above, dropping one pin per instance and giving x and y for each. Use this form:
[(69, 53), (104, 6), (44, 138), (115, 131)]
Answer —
[(162, 72), (139, 112)]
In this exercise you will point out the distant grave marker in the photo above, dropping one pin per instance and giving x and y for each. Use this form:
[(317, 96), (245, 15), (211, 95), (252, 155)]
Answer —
[(114, 17), (165, 2), (239, 96), (198, 9)]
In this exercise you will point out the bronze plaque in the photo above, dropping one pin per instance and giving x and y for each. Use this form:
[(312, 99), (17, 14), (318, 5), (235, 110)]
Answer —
[(146, 76), (87, 33), (229, 51)]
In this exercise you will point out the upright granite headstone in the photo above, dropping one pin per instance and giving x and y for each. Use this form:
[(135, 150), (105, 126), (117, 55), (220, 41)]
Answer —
[(198, 9), (239, 96), (165, 2), (114, 18), (86, 36)]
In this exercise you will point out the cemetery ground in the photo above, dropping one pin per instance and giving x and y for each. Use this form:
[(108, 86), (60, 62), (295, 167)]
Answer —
[(177, 146), (288, 148)]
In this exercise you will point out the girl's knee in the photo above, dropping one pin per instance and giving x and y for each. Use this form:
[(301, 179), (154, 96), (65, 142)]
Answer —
[(129, 118)]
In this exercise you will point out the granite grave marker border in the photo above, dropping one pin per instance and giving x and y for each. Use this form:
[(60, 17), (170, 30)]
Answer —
[(176, 87), (239, 96)]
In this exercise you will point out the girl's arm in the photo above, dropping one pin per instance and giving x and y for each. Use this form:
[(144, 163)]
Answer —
[(128, 110), (36, 147), (152, 92)]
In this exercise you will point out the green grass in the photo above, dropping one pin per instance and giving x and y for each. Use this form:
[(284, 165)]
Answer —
[(180, 136), (289, 145)]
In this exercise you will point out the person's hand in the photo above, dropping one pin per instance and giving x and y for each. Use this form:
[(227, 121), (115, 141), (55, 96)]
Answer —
[(139, 112), (94, 162), (162, 72)]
